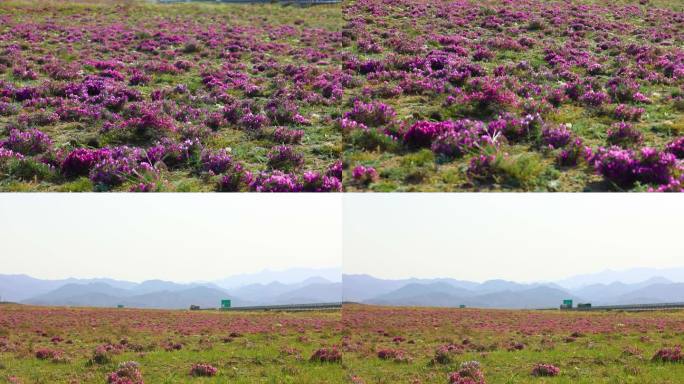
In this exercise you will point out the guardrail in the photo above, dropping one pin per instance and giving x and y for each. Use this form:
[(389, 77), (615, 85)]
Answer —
[(630, 307), (289, 307)]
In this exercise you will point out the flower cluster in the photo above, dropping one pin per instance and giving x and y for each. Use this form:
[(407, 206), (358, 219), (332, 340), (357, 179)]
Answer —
[(628, 113), (545, 370), (285, 158), (676, 148), (315, 182), (374, 114), (364, 175), (234, 179), (288, 136), (49, 354), (624, 135), (203, 370), (624, 167), (468, 373), (326, 355), (80, 161), (127, 372), (557, 137), (396, 355), (216, 162), (669, 355), (444, 353), (276, 181), (103, 353), (30, 142)]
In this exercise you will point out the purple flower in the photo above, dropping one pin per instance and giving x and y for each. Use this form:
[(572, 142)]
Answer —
[(288, 136), (594, 99), (481, 168), (284, 158), (203, 370), (557, 137), (545, 370), (669, 355), (676, 147), (370, 66), (572, 153), (364, 175), (275, 181), (335, 170), (216, 162), (616, 165), (234, 179), (452, 143), (348, 125), (626, 112), (79, 162), (173, 154), (315, 182), (421, 133), (624, 135), (253, 123), (373, 114), (30, 142), (9, 154), (654, 167)]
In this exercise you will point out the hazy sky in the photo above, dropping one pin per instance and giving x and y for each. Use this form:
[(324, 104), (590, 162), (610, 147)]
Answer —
[(174, 237), (522, 237)]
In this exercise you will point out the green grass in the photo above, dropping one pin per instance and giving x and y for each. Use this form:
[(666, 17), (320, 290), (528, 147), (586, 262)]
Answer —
[(602, 357), (253, 357)]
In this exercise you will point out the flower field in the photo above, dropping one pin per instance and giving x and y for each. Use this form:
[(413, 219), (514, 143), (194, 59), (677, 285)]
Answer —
[(363, 344), (137, 96), (475, 346), (130, 346), (528, 95), (367, 95)]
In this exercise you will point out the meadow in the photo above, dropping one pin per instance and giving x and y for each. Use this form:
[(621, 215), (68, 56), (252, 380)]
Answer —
[(476, 346), (528, 95), (132, 346), (363, 344), (138, 96)]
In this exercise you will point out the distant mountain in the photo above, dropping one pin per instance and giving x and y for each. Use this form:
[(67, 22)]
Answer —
[(21, 287), (289, 276), (205, 297), (504, 294), (537, 297), (91, 295), (445, 295), (277, 292), (164, 294), (602, 293), (654, 293), (364, 287), (313, 293), (158, 285), (499, 285), (629, 276), (70, 291), (411, 291)]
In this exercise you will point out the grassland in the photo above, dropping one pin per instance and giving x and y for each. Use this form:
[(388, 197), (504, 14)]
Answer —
[(184, 94), (492, 63), (247, 347), (595, 347)]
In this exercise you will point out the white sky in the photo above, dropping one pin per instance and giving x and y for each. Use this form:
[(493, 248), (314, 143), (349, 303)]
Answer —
[(521, 237), (177, 237)]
